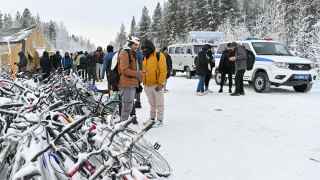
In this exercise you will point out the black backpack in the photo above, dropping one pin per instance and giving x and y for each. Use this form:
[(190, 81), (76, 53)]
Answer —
[(114, 76), (251, 59), (83, 61)]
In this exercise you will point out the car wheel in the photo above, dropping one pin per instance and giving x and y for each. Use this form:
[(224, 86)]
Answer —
[(188, 73), (174, 73), (261, 82)]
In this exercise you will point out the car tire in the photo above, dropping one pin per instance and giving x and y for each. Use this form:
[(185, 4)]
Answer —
[(303, 88), (174, 73), (261, 82), (217, 78)]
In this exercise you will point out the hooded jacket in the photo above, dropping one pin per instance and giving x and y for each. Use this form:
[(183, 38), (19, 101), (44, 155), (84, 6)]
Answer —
[(226, 66), (155, 71), (128, 69)]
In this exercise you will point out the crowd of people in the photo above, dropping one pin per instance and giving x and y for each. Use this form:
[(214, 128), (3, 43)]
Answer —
[(232, 61), (139, 66)]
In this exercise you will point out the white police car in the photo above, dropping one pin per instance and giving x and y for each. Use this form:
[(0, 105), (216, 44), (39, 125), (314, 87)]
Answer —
[(275, 65)]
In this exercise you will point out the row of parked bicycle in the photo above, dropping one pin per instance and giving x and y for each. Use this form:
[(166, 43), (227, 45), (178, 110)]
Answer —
[(56, 129)]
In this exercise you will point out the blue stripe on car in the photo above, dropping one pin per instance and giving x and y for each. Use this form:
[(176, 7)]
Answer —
[(257, 58)]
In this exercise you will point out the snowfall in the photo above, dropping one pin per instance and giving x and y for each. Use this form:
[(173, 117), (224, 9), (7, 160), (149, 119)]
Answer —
[(271, 136)]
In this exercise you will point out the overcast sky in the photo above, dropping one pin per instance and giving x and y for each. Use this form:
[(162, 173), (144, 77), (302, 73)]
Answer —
[(98, 20)]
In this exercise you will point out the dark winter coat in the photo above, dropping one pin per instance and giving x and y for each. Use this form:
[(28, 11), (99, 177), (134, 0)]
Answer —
[(56, 61), (241, 58), (83, 61), (45, 64), (67, 62), (98, 57), (226, 66), (91, 61), (169, 64), (202, 63), (22, 61), (211, 62), (107, 60)]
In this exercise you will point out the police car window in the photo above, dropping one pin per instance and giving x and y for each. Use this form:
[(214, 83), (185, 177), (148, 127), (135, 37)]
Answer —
[(171, 50), (270, 48), (221, 48)]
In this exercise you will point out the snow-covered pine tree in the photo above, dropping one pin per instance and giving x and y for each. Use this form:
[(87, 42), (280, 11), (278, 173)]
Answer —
[(144, 25), (121, 37), (165, 24), (7, 21), (201, 12), (26, 19), (251, 12), (17, 21), (171, 20), (1, 20), (216, 14), (181, 20), (133, 27), (52, 33), (191, 18), (210, 16), (156, 27), (229, 10)]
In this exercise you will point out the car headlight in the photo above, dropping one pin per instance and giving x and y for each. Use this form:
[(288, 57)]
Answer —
[(282, 65)]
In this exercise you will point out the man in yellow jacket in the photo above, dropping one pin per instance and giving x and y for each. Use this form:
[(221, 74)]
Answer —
[(154, 69)]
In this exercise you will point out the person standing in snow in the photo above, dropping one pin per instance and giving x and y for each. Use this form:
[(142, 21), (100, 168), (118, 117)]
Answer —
[(202, 62), (66, 61), (240, 60), (23, 62), (45, 64), (130, 76), (169, 65), (107, 60), (137, 103), (154, 70), (99, 62), (56, 60), (226, 67), (91, 67), (208, 77), (83, 63)]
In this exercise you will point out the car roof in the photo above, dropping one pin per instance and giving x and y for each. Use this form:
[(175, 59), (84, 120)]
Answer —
[(250, 41), (192, 44)]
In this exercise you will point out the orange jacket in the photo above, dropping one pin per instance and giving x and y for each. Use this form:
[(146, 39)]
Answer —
[(128, 70), (155, 72)]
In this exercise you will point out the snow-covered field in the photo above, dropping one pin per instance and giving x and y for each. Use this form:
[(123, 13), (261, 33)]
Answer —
[(254, 137)]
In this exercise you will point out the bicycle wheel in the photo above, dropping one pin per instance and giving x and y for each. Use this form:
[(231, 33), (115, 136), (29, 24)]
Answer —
[(157, 162)]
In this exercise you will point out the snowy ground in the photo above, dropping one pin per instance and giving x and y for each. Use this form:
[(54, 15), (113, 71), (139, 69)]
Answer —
[(254, 137)]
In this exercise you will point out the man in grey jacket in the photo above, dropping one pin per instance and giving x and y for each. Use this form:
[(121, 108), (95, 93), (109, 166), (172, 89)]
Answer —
[(240, 65)]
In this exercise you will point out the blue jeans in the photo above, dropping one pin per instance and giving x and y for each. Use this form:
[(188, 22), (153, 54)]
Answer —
[(200, 87)]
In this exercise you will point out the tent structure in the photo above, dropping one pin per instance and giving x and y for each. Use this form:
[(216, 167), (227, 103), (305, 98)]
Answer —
[(28, 40)]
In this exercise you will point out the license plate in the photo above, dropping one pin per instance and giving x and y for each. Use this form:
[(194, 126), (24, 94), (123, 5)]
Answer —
[(301, 77)]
